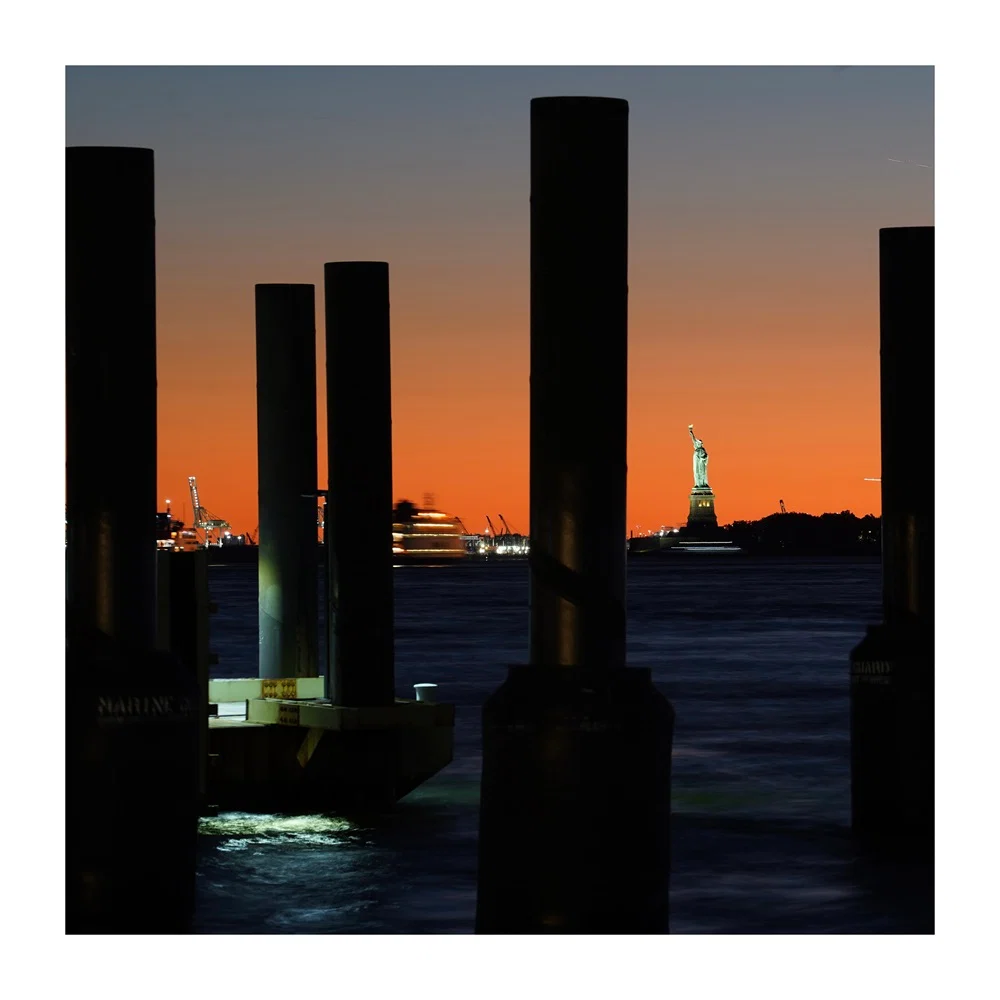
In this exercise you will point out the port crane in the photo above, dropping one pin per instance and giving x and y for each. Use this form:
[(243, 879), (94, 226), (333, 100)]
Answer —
[(510, 542), (204, 519), (493, 531)]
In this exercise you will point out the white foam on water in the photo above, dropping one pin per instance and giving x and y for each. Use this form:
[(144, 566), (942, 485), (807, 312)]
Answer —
[(271, 826)]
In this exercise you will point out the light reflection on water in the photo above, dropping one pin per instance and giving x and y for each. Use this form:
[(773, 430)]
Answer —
[(263, 824), (752, 654), (237, 831)]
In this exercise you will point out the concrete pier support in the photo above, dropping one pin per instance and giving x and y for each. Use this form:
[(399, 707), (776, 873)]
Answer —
[(359, 498), (574, 821), (892, 670), (132, 733), (287, 480)]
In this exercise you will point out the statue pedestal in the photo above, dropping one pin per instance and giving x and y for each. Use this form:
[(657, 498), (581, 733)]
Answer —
[(702, 510)]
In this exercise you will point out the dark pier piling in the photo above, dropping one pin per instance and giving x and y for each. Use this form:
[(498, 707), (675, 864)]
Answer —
[(359, 498), (132, 760), (111, 391), (286, 477), (575, 814), (892, 669)]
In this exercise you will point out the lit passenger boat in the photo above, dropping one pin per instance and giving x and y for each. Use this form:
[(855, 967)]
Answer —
[(426, 535)]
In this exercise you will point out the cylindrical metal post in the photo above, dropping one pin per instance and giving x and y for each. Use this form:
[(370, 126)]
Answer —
[(359, 498), (575, 741), (579, 379), (906, 307), (111, 391), (287, 480), (892, 669)]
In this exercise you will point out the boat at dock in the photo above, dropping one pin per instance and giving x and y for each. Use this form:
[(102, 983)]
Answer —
[(173, 535)]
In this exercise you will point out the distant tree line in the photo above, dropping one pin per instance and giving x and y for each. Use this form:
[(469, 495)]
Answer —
[(809, 534)]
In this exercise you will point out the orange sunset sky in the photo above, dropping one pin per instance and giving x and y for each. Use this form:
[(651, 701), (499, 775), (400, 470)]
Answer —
[(756, 196)]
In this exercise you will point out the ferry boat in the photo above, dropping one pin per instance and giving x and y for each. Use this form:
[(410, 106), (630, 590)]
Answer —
[(426, 535)]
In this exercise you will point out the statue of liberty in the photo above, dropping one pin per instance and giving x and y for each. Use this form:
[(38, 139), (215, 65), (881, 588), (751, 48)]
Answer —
[(700, 460)]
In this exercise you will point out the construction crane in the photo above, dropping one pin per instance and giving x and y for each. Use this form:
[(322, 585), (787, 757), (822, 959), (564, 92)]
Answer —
[(781, 504), (204, 519)]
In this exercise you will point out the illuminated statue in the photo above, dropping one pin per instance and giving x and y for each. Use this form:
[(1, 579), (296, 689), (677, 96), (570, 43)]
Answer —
[(700, 460)]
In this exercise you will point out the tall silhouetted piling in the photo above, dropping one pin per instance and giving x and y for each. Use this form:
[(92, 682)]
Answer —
[(359, 498), (132, 713), (579, 379), (287, 478), (574, 822), (111, 391), (892, 670)]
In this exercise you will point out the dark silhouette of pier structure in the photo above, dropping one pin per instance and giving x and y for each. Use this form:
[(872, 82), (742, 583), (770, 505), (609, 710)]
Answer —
[(892, 669), (575, 793), (141, 752), (574, 830), (135, 714), (340, 738)]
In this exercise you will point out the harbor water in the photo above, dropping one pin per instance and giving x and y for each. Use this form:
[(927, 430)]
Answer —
[(753, 654)]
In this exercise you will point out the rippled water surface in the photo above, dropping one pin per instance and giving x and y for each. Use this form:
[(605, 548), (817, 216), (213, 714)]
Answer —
[(752, 654)]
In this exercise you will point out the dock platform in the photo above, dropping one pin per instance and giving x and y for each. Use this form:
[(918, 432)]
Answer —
[(288, 753)]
